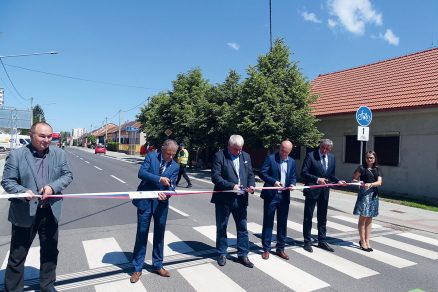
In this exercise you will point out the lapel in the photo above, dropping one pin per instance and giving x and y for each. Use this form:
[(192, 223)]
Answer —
[(51, 163), (229, 161), (30, 161), (241, 165), (278, 162), (318, 161)]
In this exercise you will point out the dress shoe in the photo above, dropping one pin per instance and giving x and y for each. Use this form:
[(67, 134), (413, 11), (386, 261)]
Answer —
[(221, 260), (265, 255), (162, 272), (245, 261), (363, 248), (324, 245), (189, 186), (370, 249), (282, 254), (308, 247), (135, 277)]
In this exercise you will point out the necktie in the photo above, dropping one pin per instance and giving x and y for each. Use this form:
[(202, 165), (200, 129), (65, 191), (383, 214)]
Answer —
[(163, 163), (324, 165)]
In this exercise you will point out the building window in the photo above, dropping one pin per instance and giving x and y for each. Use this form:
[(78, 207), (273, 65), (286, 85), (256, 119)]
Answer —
[(352, 149), (387, 149)]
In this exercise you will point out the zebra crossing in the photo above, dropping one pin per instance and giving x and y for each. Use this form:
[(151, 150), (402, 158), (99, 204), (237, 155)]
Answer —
[(108, 267)]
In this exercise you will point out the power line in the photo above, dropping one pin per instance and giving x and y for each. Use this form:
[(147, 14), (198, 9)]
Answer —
[(83, 79), (12, 83), (135, 106)]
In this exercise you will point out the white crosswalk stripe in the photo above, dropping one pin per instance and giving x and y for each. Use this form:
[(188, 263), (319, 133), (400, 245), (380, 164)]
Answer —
[(172, 244), (337, 226), (287, 274), (31, 266), (103, 252), (338, 263), (106, 252), (354, 220), (407, 247), (419, 238), (210, 232), (207, 277), (299, 227), (378, 255)]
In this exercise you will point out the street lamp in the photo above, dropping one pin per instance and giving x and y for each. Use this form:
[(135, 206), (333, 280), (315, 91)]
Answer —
[(30, 54)]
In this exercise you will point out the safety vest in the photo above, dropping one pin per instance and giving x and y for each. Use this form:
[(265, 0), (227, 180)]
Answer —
[(183, 157)]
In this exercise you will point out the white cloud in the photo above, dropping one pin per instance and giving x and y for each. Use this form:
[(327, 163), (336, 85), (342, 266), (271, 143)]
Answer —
[(234, 46), (310, 17), (390, 37), (332, 23), (354, 14)]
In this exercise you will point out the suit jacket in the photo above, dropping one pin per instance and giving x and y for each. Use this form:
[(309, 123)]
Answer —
[(271, 172), (312, 170), (20, 175), (149, 174), (224, 176)]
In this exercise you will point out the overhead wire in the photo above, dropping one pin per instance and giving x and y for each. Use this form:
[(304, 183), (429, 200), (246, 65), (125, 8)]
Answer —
[(82, 79), (12, 83)]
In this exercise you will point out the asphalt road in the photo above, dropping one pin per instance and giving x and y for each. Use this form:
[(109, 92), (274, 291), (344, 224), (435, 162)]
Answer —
[(97, 238)]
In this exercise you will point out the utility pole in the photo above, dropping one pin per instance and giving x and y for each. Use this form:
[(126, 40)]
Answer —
[(31, 112), (120, 128), (106, 130), (270, 22)]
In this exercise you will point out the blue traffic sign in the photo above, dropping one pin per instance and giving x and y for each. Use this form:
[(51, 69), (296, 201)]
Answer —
[(364, 116), (132, 129)]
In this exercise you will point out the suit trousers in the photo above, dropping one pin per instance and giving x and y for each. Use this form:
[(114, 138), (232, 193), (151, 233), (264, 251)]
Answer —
[(309, 207), (223, 211), (158, 210), (21, 240), (182, 172), (280, 203)]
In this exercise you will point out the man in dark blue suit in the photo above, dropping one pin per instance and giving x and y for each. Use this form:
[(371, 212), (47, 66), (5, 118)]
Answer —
[(232, 170), (158, 172), (318, 169), (278, 170)]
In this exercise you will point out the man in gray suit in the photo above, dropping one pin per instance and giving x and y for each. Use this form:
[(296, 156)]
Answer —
[(35, 169)]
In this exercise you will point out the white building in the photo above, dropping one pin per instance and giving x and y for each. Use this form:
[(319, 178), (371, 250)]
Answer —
[(77, 132)]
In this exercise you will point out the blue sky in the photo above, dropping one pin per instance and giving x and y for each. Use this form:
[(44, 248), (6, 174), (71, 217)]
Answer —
[(143, 45)]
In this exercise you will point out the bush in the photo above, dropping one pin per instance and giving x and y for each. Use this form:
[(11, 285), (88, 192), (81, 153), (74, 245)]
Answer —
[(112, 146)]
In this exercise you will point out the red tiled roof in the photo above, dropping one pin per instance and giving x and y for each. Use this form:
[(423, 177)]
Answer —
[(401, 83)]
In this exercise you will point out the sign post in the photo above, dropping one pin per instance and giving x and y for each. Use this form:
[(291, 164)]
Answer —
[(364, 116)]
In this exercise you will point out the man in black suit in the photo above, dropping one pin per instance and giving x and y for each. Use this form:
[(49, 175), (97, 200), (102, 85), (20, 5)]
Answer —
[(318, 169), (232, 170), (278, 170)]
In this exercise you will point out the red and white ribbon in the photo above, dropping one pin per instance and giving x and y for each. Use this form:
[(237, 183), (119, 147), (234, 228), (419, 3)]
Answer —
[(154, 194)]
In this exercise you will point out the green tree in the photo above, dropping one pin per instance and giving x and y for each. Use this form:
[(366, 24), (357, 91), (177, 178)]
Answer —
[(156, 117), (38, 114), (274, 103)]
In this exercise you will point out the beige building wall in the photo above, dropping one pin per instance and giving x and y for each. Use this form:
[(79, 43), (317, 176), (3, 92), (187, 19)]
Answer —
[(417, 172)]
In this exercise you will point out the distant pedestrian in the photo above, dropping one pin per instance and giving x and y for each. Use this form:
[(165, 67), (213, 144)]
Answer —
[(318, 169), (278, 170), (183, 159), (158, 172), (367, 203), (35, 169), (232, 170)]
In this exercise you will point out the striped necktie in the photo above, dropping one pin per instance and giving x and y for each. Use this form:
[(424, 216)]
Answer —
[(162, 165)]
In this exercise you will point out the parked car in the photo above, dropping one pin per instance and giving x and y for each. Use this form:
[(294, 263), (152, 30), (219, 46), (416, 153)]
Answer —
[(100, 149)]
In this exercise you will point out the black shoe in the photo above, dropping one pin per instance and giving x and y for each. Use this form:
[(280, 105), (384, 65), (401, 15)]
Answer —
[(369, 249), (363, 248), (222, 260), (245, 261), (189, 186), (324, 245), (308, 247)]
